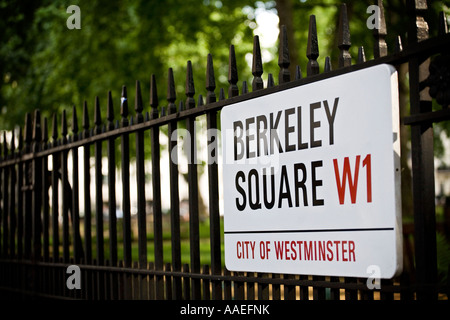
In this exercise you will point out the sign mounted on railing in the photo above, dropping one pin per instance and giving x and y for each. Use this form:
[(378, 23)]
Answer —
[(311, 178)]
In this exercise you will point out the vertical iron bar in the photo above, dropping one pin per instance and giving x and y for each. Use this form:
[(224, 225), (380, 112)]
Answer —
[(213, 179), (65, 191), (37, 183), (125, 154), (233, 89), (312, 50), (45, 198), (257, 66), (174, 192), (140, 180), (87, 189), (380, 48), (193, 186), (12, 203), (98, 185), (77, 244), (20, 197), (5, 196), (125, 162), (55, 204), (156, 184), (111, 154), (283, 57), (422, 156), (344, 43)]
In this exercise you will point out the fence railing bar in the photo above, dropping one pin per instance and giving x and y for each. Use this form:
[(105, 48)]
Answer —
[(125, 166), (45, 197), (233, 89), (20, 213), (213, 181), (111, 155), (380, 48), (4, 195), (36, 182), (156, 184), (12, 201), (284, 74), (344, 43), (65, 189), (77, 243), (140, 183), (194, 237), (98, 185), (173, 176), (86, 188), (422, 158), (55, 194), (257, 66), (312, 49)]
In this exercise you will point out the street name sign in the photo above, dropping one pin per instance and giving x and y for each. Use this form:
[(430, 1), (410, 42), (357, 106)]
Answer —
[(311, 178)]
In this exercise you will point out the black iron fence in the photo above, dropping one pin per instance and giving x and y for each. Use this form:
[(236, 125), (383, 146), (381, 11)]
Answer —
[(56, 210)]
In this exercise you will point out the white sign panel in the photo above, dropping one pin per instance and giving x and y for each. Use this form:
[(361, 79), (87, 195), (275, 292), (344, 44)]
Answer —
[(312, 178)]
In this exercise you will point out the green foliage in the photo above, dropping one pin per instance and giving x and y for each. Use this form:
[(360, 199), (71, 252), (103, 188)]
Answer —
[(118, 43)]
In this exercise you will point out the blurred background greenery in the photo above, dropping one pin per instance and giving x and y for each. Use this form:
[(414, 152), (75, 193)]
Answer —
[(45, 65)]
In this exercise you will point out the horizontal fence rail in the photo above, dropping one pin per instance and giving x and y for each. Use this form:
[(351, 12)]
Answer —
[(61, 192)]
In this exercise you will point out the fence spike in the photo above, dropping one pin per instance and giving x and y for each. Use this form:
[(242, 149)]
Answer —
[(12, 144), (5, 146), (283, 57), (257, 66), (233, 89), (110, 112), (361, 55), (327, 67), (153, 97), (74, 122), (20, 139), (344, 43), (64, 127), (200, 100), (190, 89), (312, 50), (380, 48), (85, 120), (138, 106), (171, 95), (210, 80), (27, 131), (298, 73), (44, 133), (443, 29), (54, 130), (270, 81), (97, 117), (244, 87), (124, 107), (37, 135)]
